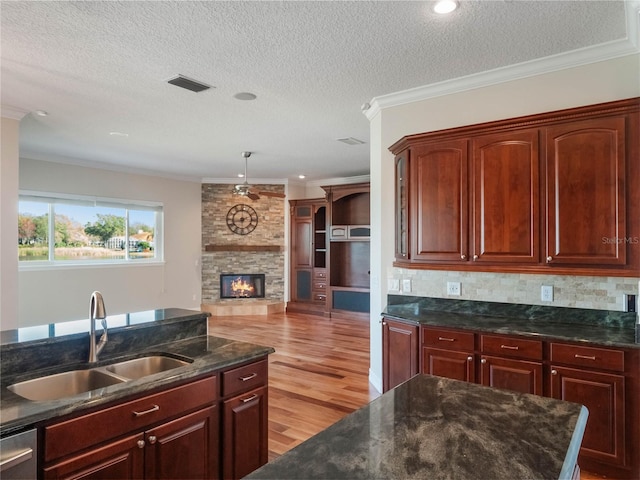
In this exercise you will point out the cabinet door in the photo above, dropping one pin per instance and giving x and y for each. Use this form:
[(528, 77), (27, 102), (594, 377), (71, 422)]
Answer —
[(585, 182), (510, 374), (186, 448), (245, 434), (603, 395), (399, 353), (402, 206), (450, 364), (505, 198), (123, 459), (439, 191), (301, 243)]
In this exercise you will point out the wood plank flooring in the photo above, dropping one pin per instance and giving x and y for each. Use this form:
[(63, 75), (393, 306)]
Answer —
[(318, 374)]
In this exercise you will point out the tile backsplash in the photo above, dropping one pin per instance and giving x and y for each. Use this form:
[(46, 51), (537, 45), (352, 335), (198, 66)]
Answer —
[(599, 293)]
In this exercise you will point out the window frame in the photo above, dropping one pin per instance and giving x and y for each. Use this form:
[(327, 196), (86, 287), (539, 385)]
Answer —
[(51, 199)]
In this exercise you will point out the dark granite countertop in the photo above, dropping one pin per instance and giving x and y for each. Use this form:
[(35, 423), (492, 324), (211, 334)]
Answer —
[(437, 428), (173, 332), (551, 323)]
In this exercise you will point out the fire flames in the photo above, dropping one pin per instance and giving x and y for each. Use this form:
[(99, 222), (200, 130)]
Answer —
[(241, 288)]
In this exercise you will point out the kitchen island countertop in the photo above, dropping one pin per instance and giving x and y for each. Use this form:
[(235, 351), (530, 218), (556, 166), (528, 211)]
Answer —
[(437, 428)]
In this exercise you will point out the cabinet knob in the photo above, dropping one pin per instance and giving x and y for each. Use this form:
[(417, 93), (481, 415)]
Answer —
[(152, 439), (483, 361), (549, 258), (469, 358), (140, 443), (475, 257), (554, 372), (463, 256), (383, 323)]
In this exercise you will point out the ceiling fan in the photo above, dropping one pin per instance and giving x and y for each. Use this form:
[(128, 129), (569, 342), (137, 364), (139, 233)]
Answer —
[(246, 190)]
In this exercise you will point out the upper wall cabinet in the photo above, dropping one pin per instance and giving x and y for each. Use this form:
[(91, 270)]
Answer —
[(551, 193)]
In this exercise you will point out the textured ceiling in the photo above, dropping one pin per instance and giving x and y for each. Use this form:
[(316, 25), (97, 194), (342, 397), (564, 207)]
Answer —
[(100, 67)]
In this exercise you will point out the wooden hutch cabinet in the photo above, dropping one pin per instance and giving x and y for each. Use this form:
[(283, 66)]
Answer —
[(554, 193), (308, 256)]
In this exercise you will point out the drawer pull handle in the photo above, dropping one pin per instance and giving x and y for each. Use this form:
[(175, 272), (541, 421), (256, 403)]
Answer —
[(249, 377), (16, 459), (153, 439), (445, 339), (585, 357), (248, 399), (510, 347), (155, 408), (140, 443)]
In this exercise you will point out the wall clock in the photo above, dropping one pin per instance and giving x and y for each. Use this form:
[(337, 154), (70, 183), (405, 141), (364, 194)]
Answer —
[(242, 219)]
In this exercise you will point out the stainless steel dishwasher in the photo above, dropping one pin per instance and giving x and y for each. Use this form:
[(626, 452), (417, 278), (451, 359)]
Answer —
[(18, 456)]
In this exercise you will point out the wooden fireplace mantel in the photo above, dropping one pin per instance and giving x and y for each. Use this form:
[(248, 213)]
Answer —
[(243, 248)]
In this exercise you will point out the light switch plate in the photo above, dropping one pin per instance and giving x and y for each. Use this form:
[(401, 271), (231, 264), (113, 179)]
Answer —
[(406, 285), (393, 285), (453, 288), (546, 293)]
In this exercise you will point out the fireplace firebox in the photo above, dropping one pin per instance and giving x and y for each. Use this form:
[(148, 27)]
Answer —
[(242, 285)]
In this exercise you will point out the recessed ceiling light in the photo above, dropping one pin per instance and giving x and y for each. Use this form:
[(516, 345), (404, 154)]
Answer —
[(240, 175), (41, 113), (244, 96), (118, 134), (302, 176), (445, 6)]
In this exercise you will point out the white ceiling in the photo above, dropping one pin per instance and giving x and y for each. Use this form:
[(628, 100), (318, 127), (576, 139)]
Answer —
[(101, 67)]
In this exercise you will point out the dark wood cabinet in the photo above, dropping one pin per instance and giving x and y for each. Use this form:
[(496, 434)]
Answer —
[(505, 198), (439, 200), (308, 256), (552, 193), (399, 352), (448, 353), (595, 377), (245, 433), (511, 374), (349, 250), (585, 184)]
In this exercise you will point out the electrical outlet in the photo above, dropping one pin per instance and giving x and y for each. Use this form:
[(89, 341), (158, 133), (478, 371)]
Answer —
[(629, 302), (393, 285), (406, 285), (546, 293), (453, 288)]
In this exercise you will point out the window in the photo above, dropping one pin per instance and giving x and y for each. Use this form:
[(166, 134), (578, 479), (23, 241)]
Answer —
[(63, 229)]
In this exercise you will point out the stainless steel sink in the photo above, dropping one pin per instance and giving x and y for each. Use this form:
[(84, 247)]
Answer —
[(75, 382), (141, 367), (61, 385)]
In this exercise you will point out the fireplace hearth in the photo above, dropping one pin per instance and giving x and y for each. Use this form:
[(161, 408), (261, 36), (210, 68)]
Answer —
[(242, 285)]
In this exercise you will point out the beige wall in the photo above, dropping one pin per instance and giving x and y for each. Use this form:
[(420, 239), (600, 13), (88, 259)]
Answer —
[(8, 224), (598, 82), (57, 294)]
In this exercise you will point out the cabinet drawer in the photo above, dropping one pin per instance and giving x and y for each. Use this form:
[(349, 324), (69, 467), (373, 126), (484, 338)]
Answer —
[(511, 347), (320, 274), (244, 378), (320, 297), (592, 357), (320, 286), (448, 339), (78, 433)]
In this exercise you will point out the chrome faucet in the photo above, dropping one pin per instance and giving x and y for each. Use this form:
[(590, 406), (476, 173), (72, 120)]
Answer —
[(96, 312)]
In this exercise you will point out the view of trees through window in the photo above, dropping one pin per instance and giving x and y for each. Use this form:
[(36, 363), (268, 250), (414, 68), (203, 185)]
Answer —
[(75, 230)]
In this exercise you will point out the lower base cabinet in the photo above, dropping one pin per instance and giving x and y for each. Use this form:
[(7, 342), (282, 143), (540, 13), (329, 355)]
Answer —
[(517, 375), (245, 433), (399, 353), (190, 431), (449, 364)]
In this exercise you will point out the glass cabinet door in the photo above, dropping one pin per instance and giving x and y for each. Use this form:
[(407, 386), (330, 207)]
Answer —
[(402, 197)]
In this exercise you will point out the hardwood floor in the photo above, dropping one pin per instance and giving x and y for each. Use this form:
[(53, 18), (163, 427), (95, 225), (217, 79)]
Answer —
[(318, 374)]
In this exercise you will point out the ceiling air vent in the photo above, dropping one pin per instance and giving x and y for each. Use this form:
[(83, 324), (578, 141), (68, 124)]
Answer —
[(351, 141), (189, 84)]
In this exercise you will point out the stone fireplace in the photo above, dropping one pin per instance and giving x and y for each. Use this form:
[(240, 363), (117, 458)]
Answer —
[(258, 252)]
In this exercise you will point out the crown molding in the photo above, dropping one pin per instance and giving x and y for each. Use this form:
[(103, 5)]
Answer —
[(239, 180), (14, 113), (339, 181), (575, 58)]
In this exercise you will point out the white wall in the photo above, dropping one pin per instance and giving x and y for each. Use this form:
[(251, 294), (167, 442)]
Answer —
[(57, 294), (8, 223), (595, 83)]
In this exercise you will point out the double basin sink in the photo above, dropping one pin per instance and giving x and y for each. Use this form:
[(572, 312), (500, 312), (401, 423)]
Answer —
[(75, 382)]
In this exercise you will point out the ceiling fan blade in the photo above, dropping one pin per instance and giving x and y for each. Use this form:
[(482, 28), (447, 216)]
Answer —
[(253, 196), (272, 194)]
